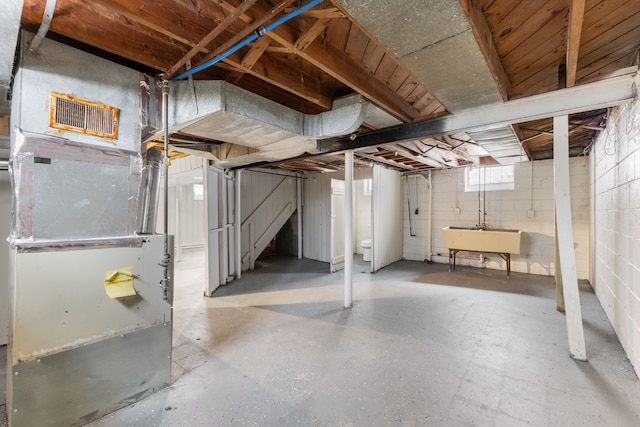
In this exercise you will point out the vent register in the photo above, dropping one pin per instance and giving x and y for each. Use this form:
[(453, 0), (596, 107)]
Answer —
[(80, 115)]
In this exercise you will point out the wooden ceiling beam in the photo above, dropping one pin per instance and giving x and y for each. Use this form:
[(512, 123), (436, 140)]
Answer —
[(337, 65), (311, 34), (246, 4), (127, 39), (252, 26), (275, 73), (349, 73), (329, 13), (385, 161), (425, 160), (576, 18), (255, 52), (141, 18), (484, 38)]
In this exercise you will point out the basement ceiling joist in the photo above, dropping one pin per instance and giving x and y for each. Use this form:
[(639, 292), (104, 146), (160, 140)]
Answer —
[(521, 47), (610, 92)]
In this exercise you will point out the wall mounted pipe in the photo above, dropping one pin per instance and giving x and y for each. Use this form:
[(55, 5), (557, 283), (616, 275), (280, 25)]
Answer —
[(430, 218), (259, 33), (299, 213), (238, 223), (164, 283), (348, 229)]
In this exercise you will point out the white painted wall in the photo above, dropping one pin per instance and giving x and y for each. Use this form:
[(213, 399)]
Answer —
[(5, 227), (316, 219), (316, 215), (191, 227), (184, 173), (386, 202), (616, 224), (506, 209), (267, 201), (362, 210)]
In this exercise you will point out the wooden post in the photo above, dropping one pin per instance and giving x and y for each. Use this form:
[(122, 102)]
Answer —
[(564, 241), (557, 270)]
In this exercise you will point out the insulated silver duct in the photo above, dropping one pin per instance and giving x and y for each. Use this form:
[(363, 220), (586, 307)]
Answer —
[(149, 191)]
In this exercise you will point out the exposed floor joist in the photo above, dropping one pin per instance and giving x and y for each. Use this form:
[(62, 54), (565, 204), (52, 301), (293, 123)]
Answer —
[(605, 93)]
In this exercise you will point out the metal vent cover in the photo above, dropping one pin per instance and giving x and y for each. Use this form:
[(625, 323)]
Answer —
[(79, 115)]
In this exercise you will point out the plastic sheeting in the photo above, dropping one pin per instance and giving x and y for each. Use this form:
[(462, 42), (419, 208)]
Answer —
[(65, 191)]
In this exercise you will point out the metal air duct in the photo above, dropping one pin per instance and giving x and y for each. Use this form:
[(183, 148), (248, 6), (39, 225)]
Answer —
[(147, 212), (249, 127)]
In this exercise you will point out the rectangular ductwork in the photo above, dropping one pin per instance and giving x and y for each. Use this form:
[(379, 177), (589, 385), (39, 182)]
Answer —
[(249, 128)]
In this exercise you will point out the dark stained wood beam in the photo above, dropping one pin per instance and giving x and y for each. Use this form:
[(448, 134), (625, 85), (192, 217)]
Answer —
[(574, 31), (483, 36)]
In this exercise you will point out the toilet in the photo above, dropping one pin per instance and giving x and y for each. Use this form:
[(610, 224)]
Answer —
[(366, 249)]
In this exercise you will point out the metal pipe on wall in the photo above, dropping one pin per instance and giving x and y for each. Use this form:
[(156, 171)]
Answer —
[(164, 283), (223, 220), (430, 218), (348, 229), (299, 214), (238, 224)]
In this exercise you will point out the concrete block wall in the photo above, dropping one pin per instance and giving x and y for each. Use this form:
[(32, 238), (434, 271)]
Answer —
[(505, 209), (615, 162)]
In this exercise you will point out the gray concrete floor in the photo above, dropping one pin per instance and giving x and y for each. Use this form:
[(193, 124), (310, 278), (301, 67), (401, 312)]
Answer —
[(421, 346)]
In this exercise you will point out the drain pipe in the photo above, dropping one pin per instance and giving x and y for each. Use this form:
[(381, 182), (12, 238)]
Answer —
[(348, 229), (430, 219), (164, 283), (238, 223), (299, 215), (258, 33)]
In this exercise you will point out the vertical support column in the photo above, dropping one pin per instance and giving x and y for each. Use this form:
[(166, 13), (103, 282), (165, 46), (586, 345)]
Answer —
[(237, 216), (429, 218), (299, 215), (557, 269), (178, 232), (165, 282), (223, 220), (212, 178), (348, 229), (564, 240)]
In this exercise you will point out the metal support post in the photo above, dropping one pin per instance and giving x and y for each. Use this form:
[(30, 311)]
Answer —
[(348, 229), (237, 216)]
